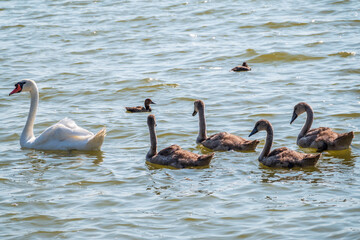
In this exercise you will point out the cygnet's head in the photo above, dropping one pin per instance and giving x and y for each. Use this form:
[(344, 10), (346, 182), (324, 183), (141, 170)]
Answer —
[(259, 126), (151, 121), (198, 104), (298, 109)]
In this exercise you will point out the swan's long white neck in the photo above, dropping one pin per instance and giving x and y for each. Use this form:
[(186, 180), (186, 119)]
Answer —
[(28, 132), (202, 124), (308, 123), (268, 142)]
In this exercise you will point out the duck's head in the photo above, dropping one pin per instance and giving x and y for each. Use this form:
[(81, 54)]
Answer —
[(259, 126), (198, 104), (23, 86), (148, 101), (298, 110)]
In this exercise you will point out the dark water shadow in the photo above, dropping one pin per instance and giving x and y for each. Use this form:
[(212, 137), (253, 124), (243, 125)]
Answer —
[(271, 175), (153, 166), (346, 157)]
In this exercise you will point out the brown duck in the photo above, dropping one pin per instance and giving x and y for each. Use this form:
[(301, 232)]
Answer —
[(222, 141), (322, 138), (241, 68), (173, 156), (281, 157), (147, 107)]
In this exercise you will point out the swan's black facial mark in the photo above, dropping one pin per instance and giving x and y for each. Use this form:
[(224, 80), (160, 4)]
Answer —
[(18, 88)]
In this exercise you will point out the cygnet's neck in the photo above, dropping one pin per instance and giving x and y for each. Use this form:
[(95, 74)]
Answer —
[(153, 140), (202, 124), (268, 142), (308, 123)]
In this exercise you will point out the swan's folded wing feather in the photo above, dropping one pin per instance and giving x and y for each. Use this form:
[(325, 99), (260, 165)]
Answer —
[(227, 141), (327, 135), (285, 154), (70, 124), (314, 133), (217, 136), (284, 157), (277, 151), (215, 140), (169, 150), (64, 129)]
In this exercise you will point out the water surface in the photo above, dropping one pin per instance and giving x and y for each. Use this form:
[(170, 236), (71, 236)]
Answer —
[(90, 59)]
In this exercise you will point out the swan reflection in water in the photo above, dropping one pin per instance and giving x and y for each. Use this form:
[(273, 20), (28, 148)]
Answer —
[(66, 157)]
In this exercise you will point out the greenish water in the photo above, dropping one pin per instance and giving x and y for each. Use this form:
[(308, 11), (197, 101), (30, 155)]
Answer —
[(90, 59)]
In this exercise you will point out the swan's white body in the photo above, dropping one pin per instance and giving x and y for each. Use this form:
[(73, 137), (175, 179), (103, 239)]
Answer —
[(64, 135)]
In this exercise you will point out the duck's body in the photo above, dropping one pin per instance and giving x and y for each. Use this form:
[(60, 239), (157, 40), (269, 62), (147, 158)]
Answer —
[(222, 141), (281, 157), (147, 107), (64, 135), (173, 156), (322, 138), (241, 68), (138, 109)]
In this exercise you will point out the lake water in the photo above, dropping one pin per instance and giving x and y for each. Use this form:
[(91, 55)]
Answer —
[(90, 59)]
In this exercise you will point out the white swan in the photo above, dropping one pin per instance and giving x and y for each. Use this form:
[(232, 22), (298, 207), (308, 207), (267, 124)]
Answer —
[(64, 135)]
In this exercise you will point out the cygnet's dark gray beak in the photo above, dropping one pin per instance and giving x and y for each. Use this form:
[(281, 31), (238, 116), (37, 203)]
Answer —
[(294, 116), (152, 102), (253, 132), (194, 113)]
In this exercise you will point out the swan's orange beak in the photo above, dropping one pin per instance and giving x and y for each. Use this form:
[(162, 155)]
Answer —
[(17, 89)]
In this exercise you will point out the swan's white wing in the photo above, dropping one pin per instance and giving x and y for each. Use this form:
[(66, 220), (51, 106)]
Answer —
[(70, 124), (65, 129)]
